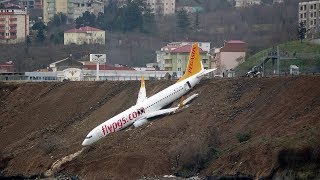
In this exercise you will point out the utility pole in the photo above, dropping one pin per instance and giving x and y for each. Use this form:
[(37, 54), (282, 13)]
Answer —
[(278, 60)]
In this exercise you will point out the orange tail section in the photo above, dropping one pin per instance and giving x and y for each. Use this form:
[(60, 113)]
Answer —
[(194, 65)]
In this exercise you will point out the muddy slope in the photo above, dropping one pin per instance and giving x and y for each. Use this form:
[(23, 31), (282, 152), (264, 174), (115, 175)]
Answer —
[(235, 126)]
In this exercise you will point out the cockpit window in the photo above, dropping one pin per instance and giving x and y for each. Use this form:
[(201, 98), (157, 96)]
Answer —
[(88, 137)]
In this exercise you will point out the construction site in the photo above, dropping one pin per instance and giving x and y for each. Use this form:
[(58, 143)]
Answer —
[(255, 128)]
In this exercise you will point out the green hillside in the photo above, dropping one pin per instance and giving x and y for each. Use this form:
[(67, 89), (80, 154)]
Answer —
[(305, 55)]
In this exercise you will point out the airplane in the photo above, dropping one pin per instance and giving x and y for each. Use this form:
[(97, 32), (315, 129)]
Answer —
[(147, 108)]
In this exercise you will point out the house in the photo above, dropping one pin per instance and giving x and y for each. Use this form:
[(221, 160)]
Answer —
[(84, 35), (14, 26), (229, 56), (6, 67)]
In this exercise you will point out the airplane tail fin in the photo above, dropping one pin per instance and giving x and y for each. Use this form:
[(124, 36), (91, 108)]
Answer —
[(142, 92), (194, 65)]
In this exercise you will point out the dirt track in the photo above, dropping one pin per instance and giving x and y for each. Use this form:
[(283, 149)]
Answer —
[(43, 122)]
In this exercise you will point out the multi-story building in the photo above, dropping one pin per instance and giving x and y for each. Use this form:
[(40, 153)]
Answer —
[(229, 56), (72, 8), (309, 14), (84, 35), (81, 6), (164, 51), (245, 3), (162, 7), (175, 58), (32, 4), (14, 26)]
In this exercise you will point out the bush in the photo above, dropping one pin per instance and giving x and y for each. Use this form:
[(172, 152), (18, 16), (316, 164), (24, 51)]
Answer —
[(244, 136)]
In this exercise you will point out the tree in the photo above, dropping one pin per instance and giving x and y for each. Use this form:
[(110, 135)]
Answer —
[(41, 36), (302, 30), (87, 19), (196, 22), (59, 19), (132, 16), (267, 1), (148, 23), (40, 27), (28, 43), (183, 22)]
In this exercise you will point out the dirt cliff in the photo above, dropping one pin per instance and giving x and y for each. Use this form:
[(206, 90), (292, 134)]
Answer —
[(259, 127)]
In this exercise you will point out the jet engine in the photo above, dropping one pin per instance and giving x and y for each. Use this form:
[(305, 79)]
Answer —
[(140, 122)]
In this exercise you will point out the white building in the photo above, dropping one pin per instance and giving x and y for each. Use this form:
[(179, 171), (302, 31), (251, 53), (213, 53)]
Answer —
[(85, 35), (245, 3)]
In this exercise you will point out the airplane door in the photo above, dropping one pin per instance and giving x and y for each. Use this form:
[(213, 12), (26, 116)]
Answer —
[(187, 86)]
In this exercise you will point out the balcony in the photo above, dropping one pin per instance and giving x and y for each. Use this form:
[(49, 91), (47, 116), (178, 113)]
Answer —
[(2, 37), (2, 19), (167, 57), (2, 30), (13, 37), (14, 25), (13, 19), (13, 30), (167, 65)]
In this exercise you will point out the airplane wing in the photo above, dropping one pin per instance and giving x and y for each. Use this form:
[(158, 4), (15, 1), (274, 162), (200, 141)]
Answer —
[(142, 92), (170, 110)]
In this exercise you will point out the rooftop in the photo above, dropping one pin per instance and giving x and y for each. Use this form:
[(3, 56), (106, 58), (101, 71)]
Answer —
[(82, 30), (185, 49)]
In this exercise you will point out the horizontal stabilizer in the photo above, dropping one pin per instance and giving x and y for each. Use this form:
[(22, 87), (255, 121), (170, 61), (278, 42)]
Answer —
[(206, 71), (189, 99)]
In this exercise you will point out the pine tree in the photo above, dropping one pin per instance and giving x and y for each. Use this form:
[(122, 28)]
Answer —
[(183, 22), (197, 22), (302, 30)]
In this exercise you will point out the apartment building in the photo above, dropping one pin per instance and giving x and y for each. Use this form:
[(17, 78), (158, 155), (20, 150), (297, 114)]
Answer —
[(14, 26), (309, 14), (163, 53), (175, 56), (31, 4), (229, 56), (84, 35), (162, 7), (245, 3), (72, 8)]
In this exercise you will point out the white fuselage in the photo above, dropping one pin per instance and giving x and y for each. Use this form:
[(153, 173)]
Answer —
[(136, 112)]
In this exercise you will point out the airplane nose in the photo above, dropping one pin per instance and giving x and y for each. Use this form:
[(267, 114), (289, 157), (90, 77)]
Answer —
[(85, 143)]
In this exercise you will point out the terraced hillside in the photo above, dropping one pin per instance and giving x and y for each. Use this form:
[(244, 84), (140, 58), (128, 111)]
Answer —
[(265, 127)]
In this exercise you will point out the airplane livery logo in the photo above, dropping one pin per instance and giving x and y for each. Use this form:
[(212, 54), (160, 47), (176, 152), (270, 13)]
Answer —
[(192, 59), (106, 129), (98, 55)]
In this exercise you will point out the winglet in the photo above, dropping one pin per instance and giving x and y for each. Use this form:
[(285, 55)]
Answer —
[(194, 64)]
